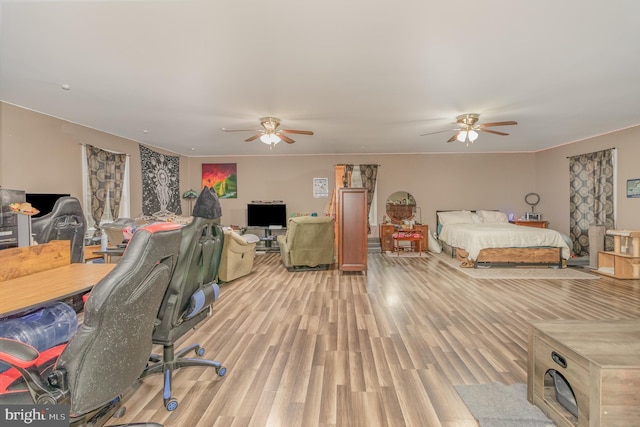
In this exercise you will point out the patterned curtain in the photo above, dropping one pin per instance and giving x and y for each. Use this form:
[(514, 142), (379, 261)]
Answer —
[(347, 173), (106, 177), (368, 173), (591, 197)]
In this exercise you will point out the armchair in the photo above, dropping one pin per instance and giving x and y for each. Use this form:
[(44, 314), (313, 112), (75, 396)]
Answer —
[(238, 253), (308, 243), (65, 222), (192, 290), (112, 346)]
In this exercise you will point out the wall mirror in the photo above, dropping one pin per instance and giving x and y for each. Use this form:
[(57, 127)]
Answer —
[(401, 206)]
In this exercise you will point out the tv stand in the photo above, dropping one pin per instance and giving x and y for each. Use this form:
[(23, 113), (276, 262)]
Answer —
[(268, 242)]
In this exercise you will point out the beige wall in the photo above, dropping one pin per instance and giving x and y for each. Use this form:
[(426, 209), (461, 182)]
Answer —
[(552, 176), (42, 154), (39, 153), (452, 181)]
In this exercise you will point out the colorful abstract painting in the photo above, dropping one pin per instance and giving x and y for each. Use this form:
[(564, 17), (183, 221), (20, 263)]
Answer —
[(222, 178)]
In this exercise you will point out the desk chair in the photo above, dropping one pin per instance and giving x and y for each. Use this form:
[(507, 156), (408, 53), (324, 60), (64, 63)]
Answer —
[(111, 348), (64, 222), (191, 292)]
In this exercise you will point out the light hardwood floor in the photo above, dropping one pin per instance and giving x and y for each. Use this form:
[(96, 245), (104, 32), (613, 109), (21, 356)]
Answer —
[(324, 349)]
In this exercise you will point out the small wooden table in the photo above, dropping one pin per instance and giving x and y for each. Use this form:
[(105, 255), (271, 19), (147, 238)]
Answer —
[(28, 292), (110, 252), (411, 236), (599, 359)]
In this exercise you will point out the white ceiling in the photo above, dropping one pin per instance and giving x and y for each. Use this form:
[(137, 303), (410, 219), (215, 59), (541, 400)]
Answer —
[(366, 76)]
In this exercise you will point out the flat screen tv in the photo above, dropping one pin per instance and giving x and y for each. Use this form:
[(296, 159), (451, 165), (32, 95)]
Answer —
[(44, 202), (266, 214)]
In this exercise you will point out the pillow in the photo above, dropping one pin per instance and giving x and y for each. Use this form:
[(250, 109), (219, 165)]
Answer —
[(493, 216), (457, 217)]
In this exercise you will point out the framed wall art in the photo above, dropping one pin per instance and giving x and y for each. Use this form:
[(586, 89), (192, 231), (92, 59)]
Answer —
[(633, 188), (222, 177)]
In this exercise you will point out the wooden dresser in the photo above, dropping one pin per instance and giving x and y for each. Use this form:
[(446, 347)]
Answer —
[(351, 217)]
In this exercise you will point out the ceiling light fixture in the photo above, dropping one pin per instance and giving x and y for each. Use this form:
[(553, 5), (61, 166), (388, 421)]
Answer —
[(270, 139)]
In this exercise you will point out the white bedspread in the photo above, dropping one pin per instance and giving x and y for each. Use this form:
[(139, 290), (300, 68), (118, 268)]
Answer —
[(475, 237)]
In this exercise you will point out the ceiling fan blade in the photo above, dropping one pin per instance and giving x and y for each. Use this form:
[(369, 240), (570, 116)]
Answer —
[(239, 130), (454, 137), (508, 123), (433, 133), (253, 137), (492, 131), (285, 138), (302, 132)]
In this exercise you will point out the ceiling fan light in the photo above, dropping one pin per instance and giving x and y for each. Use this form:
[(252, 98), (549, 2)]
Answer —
[(462, 136), (473, 135), (270, 138)]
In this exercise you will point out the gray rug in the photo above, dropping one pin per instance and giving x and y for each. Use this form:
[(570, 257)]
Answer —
[(499, 405)]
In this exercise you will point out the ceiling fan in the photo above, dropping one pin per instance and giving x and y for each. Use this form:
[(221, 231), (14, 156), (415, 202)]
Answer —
[(469, 128), (270, 134)]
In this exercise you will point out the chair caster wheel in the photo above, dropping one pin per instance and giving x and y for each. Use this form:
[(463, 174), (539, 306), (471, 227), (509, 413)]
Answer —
[(221, 371), (120, 412), (171, 404), (199, 351)]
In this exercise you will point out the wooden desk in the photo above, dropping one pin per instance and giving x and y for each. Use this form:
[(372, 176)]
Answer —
[(27, 292)]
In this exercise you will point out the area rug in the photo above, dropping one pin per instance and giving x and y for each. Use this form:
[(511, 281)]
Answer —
[(500, 405), (534, 272)]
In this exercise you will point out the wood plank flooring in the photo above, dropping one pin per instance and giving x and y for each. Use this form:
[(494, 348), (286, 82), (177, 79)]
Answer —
[(317, 348)]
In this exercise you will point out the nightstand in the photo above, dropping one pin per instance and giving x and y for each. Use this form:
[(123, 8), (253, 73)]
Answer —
[(537, 224)]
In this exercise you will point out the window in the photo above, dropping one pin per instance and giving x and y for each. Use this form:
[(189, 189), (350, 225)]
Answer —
[(125, 202)]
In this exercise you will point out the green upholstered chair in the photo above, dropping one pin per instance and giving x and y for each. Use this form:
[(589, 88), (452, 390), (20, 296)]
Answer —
[(308, 243)]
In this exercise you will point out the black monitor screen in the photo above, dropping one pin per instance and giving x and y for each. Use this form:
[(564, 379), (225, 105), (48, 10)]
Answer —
[(44, 202), (266, 214)]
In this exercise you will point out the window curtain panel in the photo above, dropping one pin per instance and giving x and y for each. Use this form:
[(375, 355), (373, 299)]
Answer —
[(368, 174), (160, 183), (591, 197), (106, 179)]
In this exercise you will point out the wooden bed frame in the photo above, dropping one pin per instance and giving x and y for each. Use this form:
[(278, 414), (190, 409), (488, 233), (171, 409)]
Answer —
[(533, 256)]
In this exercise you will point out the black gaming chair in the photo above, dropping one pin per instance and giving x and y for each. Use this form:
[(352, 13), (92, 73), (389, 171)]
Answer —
[(111, 348), (64, 222), (191, 292)]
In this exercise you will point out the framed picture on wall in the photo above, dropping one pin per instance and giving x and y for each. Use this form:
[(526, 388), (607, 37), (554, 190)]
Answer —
[(222, 177), (633, 188)]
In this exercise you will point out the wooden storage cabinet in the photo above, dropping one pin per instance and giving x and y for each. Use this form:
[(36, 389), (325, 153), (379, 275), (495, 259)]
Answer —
[(600, 360), (352, 229), (620, 266)]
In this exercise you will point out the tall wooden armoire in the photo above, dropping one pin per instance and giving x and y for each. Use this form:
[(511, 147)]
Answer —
[(351, 217)]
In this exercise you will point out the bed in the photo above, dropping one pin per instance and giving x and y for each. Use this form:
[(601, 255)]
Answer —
[(487, 238)]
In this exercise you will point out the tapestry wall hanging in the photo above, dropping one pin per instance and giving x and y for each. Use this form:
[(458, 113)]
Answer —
[(222, 178), (160, 182)]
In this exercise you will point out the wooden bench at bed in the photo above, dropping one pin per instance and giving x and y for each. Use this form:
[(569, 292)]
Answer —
[(514, 256)]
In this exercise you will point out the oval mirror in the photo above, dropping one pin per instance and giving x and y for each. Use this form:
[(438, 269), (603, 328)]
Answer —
[(401, 206)]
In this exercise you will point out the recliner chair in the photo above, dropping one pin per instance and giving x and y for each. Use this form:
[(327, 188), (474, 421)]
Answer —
[(65, 222), (308, 243), (111, 348), (191, 292), (238, 253)]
